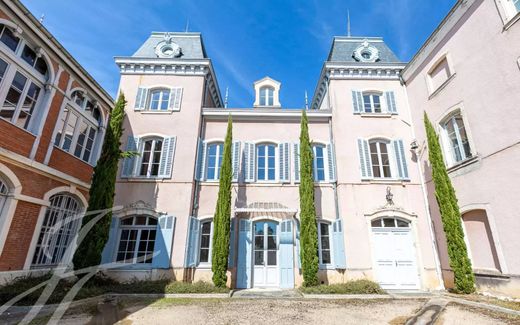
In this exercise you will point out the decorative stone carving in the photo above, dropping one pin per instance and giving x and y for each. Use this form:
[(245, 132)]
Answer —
[(366, 53)]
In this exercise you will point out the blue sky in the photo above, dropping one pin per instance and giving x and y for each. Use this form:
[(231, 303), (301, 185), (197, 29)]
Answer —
[(247, 40)]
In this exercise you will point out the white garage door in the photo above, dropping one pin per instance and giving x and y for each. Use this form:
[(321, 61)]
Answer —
[(394, 254)]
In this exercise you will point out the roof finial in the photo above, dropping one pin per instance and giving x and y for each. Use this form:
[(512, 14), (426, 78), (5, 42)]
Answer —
[(348, 23), (226, 97), (306, 101), (42, 17), (187, 25)]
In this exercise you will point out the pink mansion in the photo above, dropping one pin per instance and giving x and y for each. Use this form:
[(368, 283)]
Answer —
[(375, 202)]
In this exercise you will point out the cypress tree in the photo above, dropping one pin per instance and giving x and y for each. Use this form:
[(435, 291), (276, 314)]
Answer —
[(221, 220), (101, 194), (450, 215), (308, 231)]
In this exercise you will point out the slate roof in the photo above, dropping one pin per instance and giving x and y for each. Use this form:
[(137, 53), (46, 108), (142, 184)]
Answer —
[(343, 48), (190, 44)]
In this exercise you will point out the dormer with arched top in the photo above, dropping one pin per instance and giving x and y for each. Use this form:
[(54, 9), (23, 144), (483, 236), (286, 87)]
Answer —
[(267, 93)]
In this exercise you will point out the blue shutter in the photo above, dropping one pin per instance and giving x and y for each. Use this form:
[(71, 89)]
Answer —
[(364, 159), (357, 101), (244, 254), (284, 166), (168, 149), (140, 99), (390, 102), (201, 160), (163, 242), (296, 155), (286, 254), (297, 229), (236, 160), (110, 246), (400, 158), (232, 244), (175, 98), (192, 255), (249, 153), (331, 162), (340, 260), (129, 163)]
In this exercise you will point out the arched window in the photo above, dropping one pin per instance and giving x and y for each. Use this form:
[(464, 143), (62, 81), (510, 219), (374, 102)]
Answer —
[(480, 240), (159, 99), (136, 240), (390, 222), (265, 162), (8, 38), (267, 96), (151, 150), (206, 232), (34, 60), (214, 160), (456, 139), (379, 155), (319, 162), (59, 227), (372, 102), (324, 243)]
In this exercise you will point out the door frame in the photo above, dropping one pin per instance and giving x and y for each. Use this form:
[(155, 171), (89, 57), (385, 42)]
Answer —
[(253, 222), (412, 219)]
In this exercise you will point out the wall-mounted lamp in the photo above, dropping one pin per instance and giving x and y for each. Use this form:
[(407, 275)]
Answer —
[(414, 146)]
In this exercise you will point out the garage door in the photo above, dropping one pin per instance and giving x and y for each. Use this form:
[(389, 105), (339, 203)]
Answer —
[(394, 254)]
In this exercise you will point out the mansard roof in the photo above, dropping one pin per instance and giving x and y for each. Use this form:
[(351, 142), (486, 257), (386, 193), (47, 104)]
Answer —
[(190, 44), (344, 47)]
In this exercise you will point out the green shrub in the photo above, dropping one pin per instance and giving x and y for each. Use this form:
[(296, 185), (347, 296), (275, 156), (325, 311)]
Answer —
[(196, 287), (351, 287)]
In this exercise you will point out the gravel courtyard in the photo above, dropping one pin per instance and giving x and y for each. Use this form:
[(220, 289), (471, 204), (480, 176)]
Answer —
[(268, 311)]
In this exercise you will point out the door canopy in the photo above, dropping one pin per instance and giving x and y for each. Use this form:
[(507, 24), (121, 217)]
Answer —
[(263, 209)]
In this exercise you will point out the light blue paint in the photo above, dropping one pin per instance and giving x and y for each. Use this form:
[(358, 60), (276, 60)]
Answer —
[(193, 243), (286, 254), (110, 246), (244, 254), (340, 260), (163, 242), (232, 246)]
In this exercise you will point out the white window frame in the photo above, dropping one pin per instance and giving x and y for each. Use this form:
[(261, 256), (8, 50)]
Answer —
[(371, 95), (266, 164), (218, 161), (394, 225), (391, 154), (210, 248), (448, 149), (60, 211), (266, 94), (141, 154), (320, 257), (161, 99), (325, 163), (139, 229)]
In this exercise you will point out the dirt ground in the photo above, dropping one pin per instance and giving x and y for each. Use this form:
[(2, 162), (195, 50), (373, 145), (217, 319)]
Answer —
[(268, 311)]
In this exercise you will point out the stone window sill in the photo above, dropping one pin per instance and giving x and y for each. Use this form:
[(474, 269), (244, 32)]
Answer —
[(463, 163), (512, 21)]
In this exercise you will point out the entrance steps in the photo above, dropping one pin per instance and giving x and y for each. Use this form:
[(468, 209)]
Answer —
[(266, 293)]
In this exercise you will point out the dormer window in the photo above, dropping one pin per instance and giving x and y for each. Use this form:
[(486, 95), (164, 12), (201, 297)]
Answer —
[(266, 96), (267, 93)]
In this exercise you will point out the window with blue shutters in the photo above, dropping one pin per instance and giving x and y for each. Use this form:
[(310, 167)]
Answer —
[(382, 159), (158, 99), (136, 240), (374, 102), (214, 152), (324, 165), (206, 234), (266, 162), (154, 159), (324, 244)]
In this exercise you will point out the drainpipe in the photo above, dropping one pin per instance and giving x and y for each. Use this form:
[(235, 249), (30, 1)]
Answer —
[(425, 195), (331, 138)]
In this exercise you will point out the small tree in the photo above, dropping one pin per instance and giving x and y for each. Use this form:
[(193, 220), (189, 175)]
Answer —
[(101, 194), (308, 232), (450, 215), (221, 220)]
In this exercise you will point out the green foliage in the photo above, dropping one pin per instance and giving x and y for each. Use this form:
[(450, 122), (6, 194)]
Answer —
[(101, 194), (356, 287), (99, 285), (308, 231), (450, 215), (221, 220)]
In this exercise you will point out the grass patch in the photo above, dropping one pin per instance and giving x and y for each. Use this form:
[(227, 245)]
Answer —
[(98, 285), (510, 304), (352, 287), (165, 302)]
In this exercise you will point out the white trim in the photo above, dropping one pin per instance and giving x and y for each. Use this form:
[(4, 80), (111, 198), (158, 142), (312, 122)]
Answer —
[(9, 208)]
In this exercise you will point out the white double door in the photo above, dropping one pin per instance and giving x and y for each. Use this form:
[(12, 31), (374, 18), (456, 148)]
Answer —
[(265, 254), (395, 258)]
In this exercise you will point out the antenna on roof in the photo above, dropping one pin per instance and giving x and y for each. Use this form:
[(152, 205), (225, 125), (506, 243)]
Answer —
[(348, 23), (42, 17), (306, 101), (187, 25), (226, 98)]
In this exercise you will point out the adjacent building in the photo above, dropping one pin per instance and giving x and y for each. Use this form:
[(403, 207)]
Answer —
[(52, 121)]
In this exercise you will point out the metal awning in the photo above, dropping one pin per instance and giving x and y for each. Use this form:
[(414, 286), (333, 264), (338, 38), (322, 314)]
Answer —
[(266, 207)]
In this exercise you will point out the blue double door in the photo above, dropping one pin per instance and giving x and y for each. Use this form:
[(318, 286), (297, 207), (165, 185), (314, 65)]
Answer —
[(265, 254)]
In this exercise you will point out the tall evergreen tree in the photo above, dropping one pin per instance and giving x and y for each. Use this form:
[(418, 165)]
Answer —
[(450, 215), (221, 220), (308, 231), (101, 194)]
